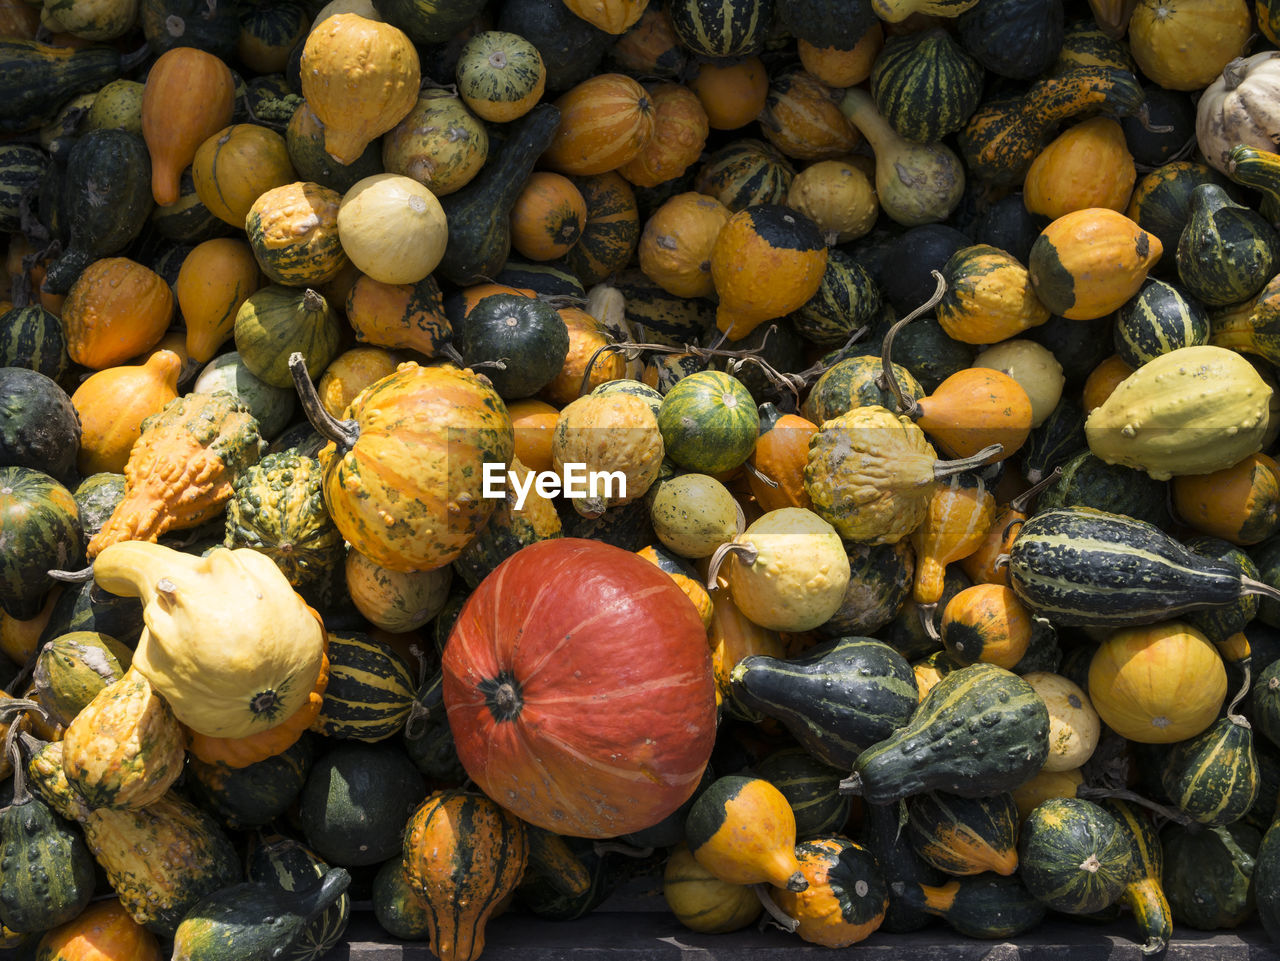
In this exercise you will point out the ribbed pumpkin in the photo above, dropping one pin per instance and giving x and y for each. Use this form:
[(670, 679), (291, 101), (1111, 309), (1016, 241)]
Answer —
[(680, 129), (548, 216), (116, 309), (744, 173), (237, 165), (605, 121), (768, 260), (188, 97), (732, 94), (278, 320), (500, 75), (370, 690), (802, 118), (294, 234), (676, 244), (513, 708), (1087, 165), (360, 77), (722, 31), (216, 277)]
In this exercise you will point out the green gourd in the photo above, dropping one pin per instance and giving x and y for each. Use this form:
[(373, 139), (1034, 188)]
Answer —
[(39, 79), (1209, 873), (1213, 777), (984, 906), (1144, 894), (1074, 856), (276, 321), (288, 865), (1227, 251)]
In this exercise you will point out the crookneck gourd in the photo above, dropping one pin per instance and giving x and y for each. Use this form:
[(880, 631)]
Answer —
[(230, 645)]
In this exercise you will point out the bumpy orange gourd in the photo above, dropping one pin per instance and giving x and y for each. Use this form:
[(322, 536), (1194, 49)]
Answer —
[(238, 164), (293, 231), (680, 129), (112, 405), (104, 931), (116, 310), (216, 277), (188, 97), (360, 77), (604, 121), (407, 316)]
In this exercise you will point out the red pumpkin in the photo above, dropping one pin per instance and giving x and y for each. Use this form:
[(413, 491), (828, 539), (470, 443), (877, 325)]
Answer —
[(579, 689)]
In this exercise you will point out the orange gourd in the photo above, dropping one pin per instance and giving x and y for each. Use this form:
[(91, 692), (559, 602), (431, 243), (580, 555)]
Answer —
[(112, 405), (534, 422), (189, 96), (676, 244), (986, 622), (604, 121), (984, 565), (116, 310), (1102, 380), (398, 316), (236, 166), (958, 516), (242, 751), (547, 217), (841, 68), (20, 639), (586, 366), (1240, 503), (767, 261), (680, 131), (779, 458), (732, 94), (1087, 165), (104, 931), (216, 277), (802, 118), (351, 372), (611, 16), (359, 77), (732, 637)]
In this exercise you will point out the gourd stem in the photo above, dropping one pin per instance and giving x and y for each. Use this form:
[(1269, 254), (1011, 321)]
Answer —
[(14, 753), (748, 553), (1120, 794), (1240, 696), (1251, 586), (343, 433), (1023, 500), (72, 577), (886, 378), (451, 353), (760, 475), (926, 612), (851, 785), (21, 705), (601, 848), (946, 468), (1233, 74), (786, 921), (1144, 117), (740, 520)]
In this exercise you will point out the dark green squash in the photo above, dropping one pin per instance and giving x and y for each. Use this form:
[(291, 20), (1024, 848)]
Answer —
[(1213, 777), (906, 633), (31, 337), (1089, 481), (39, 428), (837, 698), (1144, 893), (479, 228), (777, 344), (720, 31), (1219, 623), (744, 173), (847, 300), (38, 79), (1227, 251), (1008, 225), (304, 141), (986, 906), (1013, 38), (810, 787), (542, 278), (963, 836), (825, 23), (106, 198), (254, 921), (1074, 856), (526, 334), (268, 32), (288, 865), (1158, 319), (980, 730), (925, 85), (275, 321), (1209, 873), (370, 690), (428, 740), (570, 46), (1264, 704), (606, 868), (708, 422), (87, 607), (627, 526), (71, 670), (924, 349), (22, 168), (881, 833), (208, 25), (1266, 879), (41, 525), (855, 382), (253, 796), (187, 219), (398, 908), (906, 273), (1161, 204), (1078, 345), (48, 874), (1173, 110), (1058, 439), (880, 580)]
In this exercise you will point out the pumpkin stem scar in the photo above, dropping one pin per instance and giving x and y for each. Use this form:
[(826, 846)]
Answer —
[(502, 695)]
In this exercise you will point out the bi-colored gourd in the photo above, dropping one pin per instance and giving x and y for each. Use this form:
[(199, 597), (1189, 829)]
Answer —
[(846, 897), (1087, 263), (742, 830)]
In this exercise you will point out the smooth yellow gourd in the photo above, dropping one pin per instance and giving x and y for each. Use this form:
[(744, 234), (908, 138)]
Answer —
[(393, 228), (227, 642)]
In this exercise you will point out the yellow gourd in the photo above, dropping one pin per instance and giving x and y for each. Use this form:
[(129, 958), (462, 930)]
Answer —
[(216, 277)]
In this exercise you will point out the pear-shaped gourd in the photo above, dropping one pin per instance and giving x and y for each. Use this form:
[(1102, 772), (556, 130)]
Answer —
[(230, 645), (788, 570), (743, 831), (253, 921), (1227, 251), (1214, 777), (1194, 410)]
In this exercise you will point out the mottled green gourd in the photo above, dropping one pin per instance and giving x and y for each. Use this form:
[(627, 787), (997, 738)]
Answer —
[(253, 921), (1214, 776), (1159, 318), (925, 85), (1227, 251), (1209, 873), (70, 671), (289, 865), (1074, 856), (278, 509)]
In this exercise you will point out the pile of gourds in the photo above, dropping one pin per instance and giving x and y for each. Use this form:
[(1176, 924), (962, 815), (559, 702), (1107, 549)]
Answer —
[(916, 362)]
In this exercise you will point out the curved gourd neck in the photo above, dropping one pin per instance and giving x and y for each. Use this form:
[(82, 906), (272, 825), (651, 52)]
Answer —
[(860, 110)]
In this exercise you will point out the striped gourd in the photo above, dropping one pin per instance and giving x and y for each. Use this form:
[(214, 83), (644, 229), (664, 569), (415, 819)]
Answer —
[(1081, 566), (1074, 856), (32, 337), (837, 699), (744, 173), (964, 836), (604, 122), (289, 865), (980, 730), (1227, 251), (657, 317), (895, 11), (1214, 776), (985, 906), (370, 689), (847, 299), (294, 234), (1158, 319), (856, 382), (925, 85), (1144, 893), (612, 231), (810, 787), (1161, 201), (718, 29), (21, 168)]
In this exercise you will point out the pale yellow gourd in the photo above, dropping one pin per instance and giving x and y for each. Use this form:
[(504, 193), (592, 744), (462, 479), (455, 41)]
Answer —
[(612, 433), (393, 228), (1074, 726), (359, 77), (228, 643)]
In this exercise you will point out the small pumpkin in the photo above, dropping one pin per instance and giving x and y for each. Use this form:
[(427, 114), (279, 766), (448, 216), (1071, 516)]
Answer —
[(1087, 165), (1074, 726), (398, 316), (1184, 45), (732, 94), (604, 122), (836, 196), (1240, 503), (104, 930), (802, 118), (392, 228), (675, 246), (500, 75), (989, 297), (113, 403), (847, 895), (116, 310), (438, 143), (701, 901), (548, 217), (986, 622), (680, 129), (294, 234)]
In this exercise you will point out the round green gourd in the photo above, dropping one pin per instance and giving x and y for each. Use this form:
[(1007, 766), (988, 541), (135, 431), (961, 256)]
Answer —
[(1208, 874), (526, 334), (39, 427), (274, 322), (96, 497), (42, 531), (1074, 856), (880, 579), (708, 422), (496, 70), (810, 787), (847, 299), (71, 669), (398, 908), (1213, 777), (1220, 622), (709, 28), (32, 337), (1158, 319), (624, 386), (1227, 251), (273, 407), (925, 85), (853, 382), (1087, 481), (252, 796), (745, 173), (370, 690), (693, 514)]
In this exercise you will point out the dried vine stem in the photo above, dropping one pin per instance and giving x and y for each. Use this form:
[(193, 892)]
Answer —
[(747, 552), (885, 379), (780, 917), (1120, 794)]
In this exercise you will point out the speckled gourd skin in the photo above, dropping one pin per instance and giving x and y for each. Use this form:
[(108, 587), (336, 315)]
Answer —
[(46, 874), (870, 475), (48, 779), (610, 432), (126, 748)]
